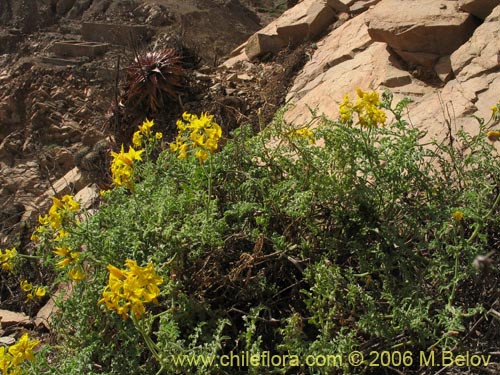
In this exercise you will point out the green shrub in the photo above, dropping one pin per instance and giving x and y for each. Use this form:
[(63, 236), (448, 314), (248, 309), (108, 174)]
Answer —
[(362, 240)]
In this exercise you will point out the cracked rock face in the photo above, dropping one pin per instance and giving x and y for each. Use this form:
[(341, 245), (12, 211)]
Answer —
[(436, 53)]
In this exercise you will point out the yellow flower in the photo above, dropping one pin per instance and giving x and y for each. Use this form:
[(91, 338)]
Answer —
[(23, 350), (134, 155), (137, 139), (146, 126), (304, 133), (119, 274), (201, 155), (26, 286), (122, 166), (103, 193), (77, 274), (5, 361), (199, 133), (69, 257), (345, 110), (129, 289), (60, 234), (183, 151), (55, 216), (61, 251), (6, 258), (35, 237), (367, 108), (70, 204), (40, 292), (158, 135), (57, 204), (457, 215)]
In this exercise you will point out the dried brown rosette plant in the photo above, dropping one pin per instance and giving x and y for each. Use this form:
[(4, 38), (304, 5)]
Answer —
[(153, 77)]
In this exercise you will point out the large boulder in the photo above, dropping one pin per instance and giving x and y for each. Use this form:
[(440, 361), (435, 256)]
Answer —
[(420, 31), (479, 8), (306, 20)]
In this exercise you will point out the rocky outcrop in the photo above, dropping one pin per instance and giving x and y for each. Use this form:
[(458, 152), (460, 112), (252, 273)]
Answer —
[(476, 86), (437, 53), (306, 20), (481, 53), (420, 31), (340, 45)]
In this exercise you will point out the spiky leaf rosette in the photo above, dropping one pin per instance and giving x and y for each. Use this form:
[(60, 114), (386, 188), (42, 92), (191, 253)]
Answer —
[(152, 76)]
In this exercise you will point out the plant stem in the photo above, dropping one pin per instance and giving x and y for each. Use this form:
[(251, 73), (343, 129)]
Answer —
[(30, 256), (153, 348), (209, 197), (455, 280), (457, 258)]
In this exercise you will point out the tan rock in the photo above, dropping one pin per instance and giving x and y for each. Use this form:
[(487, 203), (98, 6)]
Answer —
[(443, 110), (245, 77), (234, 61), (481, 52), (395, 77), (88, 196), (443, 69), (262, 42), (423, 26), (361, 6), (73, 180), (479, 8), (44, 315), (338, 46), (7, 340), (238, 50), (8, 318), (304, 21)]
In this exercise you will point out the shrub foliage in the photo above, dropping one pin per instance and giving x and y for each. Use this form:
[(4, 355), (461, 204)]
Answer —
[(319, 240)]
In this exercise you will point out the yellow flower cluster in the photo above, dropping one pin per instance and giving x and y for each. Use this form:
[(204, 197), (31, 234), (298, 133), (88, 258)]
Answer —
[(122, 166), (11, 359), (57, 213), (55, 223), (128, 290), (32, 292), (303, 133), (367, 108), (197, 133), (144, 134), (6, 257), (69, 257)]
